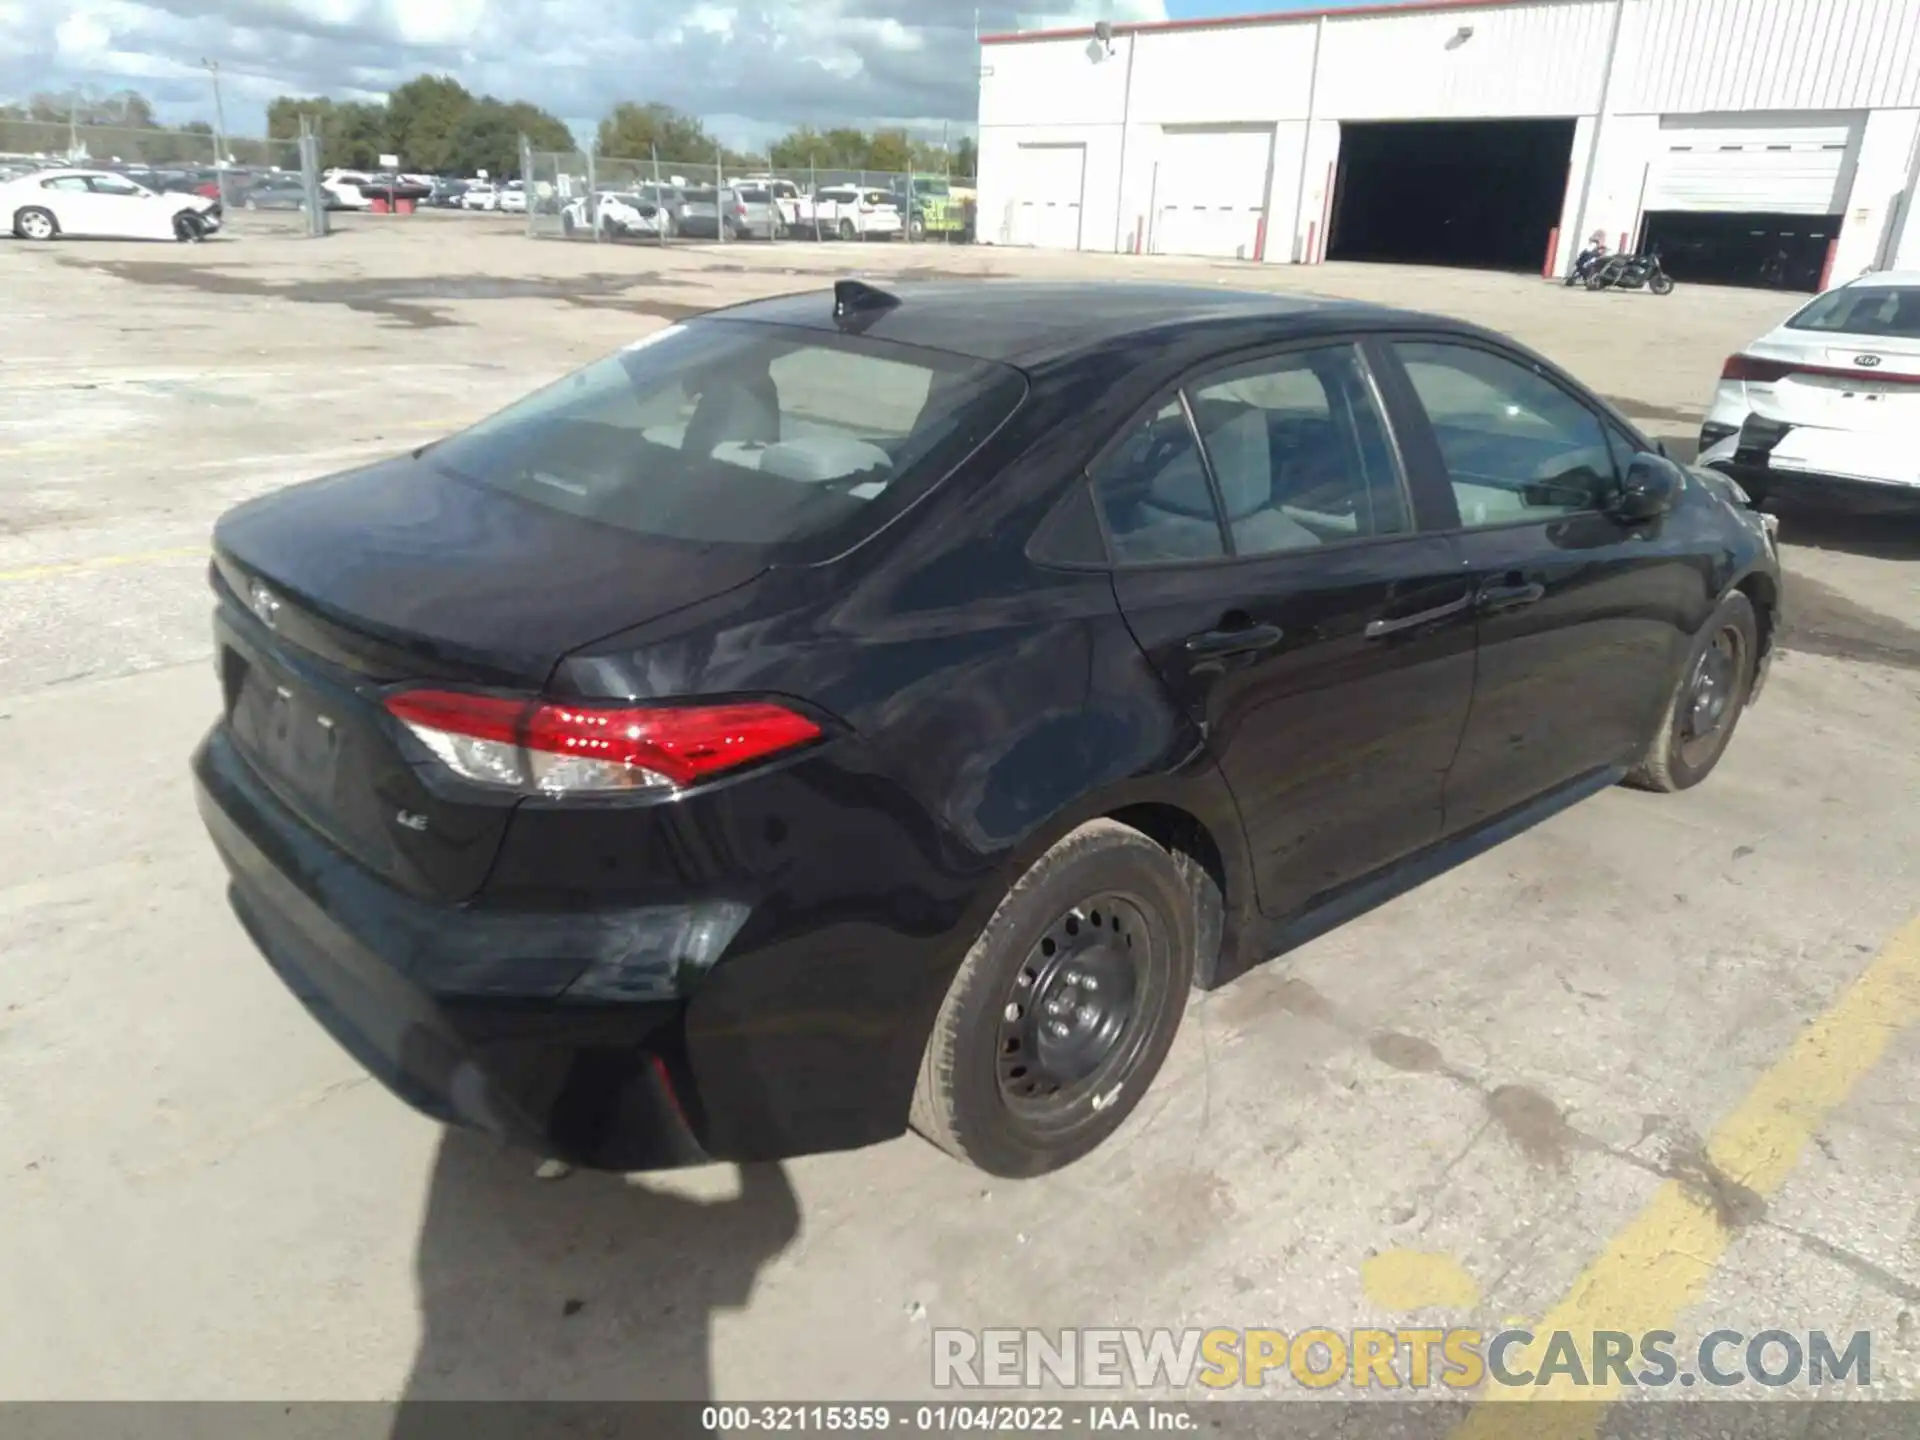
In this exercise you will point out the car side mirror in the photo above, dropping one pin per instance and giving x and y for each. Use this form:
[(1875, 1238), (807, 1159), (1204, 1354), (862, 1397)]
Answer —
[(1651, 488)]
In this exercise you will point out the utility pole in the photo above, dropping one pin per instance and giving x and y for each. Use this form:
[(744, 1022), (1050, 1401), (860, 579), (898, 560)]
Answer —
[(212, 67), (73, 127)]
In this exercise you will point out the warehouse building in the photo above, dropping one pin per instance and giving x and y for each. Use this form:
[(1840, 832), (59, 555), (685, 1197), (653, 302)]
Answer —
[(1757, 142)]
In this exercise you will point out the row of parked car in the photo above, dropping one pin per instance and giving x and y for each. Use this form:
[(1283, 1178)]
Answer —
[(769, 208)]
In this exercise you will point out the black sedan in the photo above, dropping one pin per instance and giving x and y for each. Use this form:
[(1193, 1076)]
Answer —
[(850, 712)]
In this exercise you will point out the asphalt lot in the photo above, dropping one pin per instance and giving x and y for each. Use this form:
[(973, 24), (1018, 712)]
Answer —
[(1652, 1062)]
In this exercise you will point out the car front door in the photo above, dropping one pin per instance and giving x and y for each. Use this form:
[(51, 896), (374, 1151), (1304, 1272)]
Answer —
[(124, 208), (1269, 557), (1581, 616)]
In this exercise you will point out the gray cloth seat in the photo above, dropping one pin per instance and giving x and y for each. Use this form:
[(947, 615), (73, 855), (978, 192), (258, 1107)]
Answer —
[(1179, 511)]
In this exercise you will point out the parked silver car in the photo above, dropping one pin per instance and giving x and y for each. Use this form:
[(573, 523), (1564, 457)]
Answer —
[(749, 213)]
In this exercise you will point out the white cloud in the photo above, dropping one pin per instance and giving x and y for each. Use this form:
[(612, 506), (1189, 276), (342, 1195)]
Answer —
[(762, 67)]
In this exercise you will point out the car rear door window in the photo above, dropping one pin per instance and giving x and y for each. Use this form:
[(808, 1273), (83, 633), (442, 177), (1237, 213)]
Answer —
[(1300, 452), (1154, 493), (1517, 447)]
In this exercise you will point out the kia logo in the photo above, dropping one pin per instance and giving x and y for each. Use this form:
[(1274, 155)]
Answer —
[(1866, 362)]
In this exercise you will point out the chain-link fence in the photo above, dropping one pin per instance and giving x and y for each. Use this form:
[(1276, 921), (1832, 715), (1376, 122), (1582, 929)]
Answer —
[(245, 174), (576, 195)]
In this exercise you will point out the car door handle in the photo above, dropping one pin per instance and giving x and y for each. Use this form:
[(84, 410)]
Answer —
[(1377, 628), (1239, 640), (1510, 597)]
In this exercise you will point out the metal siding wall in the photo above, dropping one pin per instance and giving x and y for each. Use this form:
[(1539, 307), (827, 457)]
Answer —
[(1522, 60), (1680, 56), (1192, 77)]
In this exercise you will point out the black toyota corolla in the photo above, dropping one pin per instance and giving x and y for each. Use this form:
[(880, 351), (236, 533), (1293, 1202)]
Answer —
[(865, 710)]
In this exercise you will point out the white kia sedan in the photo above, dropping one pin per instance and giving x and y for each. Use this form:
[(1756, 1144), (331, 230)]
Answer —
[(100, 204), (1826, 407)]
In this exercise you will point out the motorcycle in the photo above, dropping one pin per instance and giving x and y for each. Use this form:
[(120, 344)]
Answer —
[(1631, 272), (1584, 265)]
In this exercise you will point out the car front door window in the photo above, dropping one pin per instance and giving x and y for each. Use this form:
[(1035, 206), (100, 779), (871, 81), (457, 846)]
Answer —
[(1516, 446)]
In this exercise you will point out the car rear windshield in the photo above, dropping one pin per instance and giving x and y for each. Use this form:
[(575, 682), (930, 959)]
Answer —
[(724, 431), (1889, 310), (701, 197), (754, 194)]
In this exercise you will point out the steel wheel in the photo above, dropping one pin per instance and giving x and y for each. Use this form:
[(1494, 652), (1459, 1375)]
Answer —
[(1712, 697), (1706, 701), (1064, 1008), (1070, 1015)]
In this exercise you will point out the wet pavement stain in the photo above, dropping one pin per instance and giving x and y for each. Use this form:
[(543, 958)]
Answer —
[(1534, 1124), (1819, 620), (1407, 1052), (408, 302)]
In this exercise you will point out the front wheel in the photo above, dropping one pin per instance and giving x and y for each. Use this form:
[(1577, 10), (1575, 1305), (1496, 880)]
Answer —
[(1065, 1007), (189, 228), (1660, 284), (33, 223), (1597, 281), (1706, 703)]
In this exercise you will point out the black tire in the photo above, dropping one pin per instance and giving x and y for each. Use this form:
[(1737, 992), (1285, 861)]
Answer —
[(1596, 281), (996, 1088), (1707, 701), (1660, 284), (32, 222), (916, 228), (847, 232), (566, 223), (188, 228)]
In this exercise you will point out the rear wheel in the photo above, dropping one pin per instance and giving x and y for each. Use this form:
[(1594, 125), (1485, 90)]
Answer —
[(1596, 281), (33, 223), (1064, 1009), (846, 230), (1707, 703)]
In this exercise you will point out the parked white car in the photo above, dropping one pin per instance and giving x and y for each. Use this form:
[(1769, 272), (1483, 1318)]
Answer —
[(644, 210), (1826, 406), (513, 198), (850, 212), (345, 188), (99, 204), (480, 195)]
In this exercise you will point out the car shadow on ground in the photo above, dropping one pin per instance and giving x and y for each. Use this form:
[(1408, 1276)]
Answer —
[(599, 1287), (1884, 536)]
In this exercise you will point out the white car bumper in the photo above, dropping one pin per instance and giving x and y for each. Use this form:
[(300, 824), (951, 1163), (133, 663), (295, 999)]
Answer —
[(1880, 469)]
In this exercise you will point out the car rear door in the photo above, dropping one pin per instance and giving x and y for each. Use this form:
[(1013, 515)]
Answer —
[(1270, 557), (1582, 618)]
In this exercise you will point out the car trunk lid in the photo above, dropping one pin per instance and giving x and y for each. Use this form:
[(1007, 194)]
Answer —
[(334, 592)]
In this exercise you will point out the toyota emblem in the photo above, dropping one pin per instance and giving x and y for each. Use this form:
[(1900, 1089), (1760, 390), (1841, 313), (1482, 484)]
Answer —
[(265, 604), (1866, 362)]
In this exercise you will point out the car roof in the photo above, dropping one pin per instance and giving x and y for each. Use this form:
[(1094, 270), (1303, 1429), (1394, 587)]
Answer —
[(1025, 322), (1895, 279)]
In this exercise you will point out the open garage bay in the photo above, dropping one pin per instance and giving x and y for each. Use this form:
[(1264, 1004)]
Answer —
[(1480, 193)]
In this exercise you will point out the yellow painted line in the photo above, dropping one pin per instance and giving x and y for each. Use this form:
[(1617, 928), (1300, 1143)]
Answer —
[(1658, 1266), (102, 562)]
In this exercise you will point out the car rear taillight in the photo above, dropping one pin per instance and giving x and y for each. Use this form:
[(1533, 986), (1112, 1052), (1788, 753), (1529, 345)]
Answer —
[(1757, 371), (739, 209), (552, 747)]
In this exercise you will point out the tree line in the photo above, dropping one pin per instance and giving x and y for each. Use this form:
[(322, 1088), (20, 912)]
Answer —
[(436, 125)]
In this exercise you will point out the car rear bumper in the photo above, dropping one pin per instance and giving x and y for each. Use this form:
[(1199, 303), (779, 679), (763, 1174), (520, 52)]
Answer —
[(595, 1083), (1753, 459)]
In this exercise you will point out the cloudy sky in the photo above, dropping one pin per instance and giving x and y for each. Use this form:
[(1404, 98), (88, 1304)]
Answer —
[(752, 69)]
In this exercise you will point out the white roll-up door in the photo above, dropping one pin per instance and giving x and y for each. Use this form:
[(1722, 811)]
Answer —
[(1766, 165), (1046, 196), (1211, 189)]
